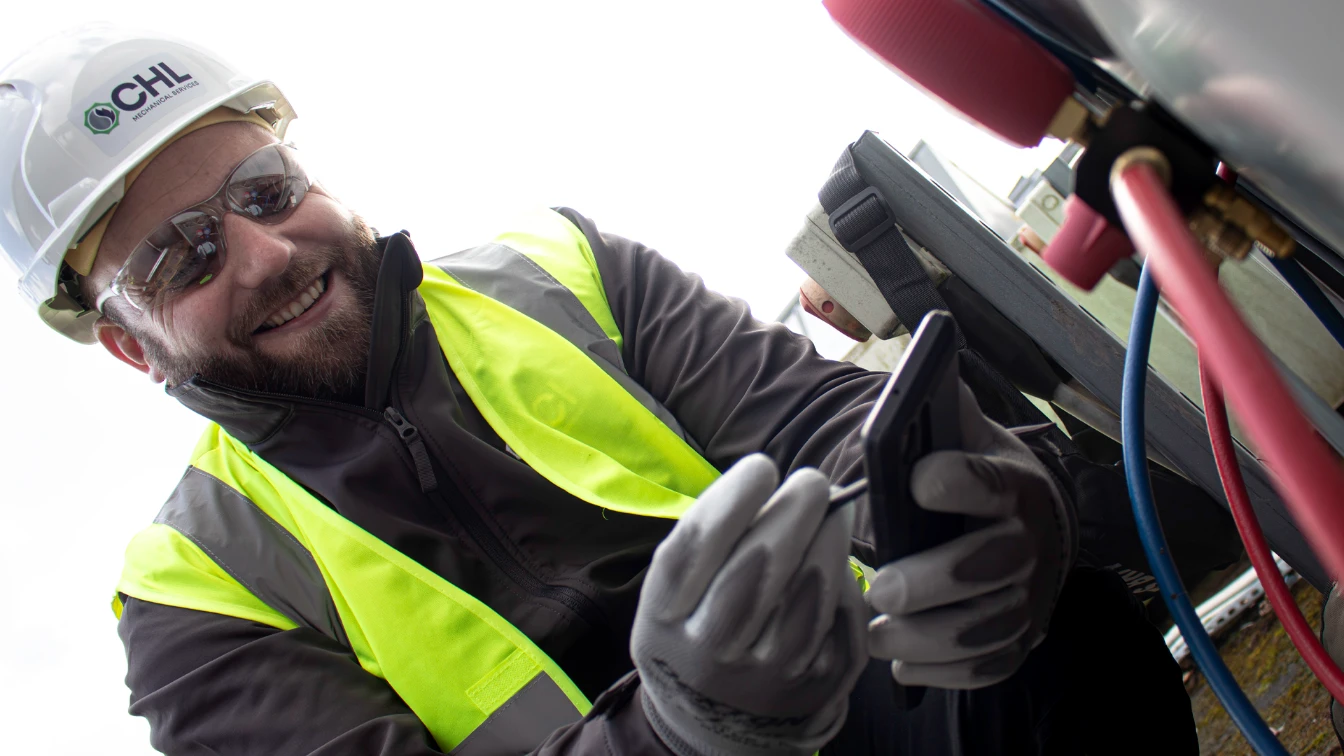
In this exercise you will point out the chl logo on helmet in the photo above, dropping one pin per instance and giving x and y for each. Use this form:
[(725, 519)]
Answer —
[(160, 82)]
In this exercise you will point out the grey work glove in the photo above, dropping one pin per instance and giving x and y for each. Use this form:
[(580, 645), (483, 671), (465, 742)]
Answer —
[(750, 629), (965, 614)]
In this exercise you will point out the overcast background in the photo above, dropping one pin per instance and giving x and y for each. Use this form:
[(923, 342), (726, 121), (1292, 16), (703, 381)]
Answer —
[(703, 129)]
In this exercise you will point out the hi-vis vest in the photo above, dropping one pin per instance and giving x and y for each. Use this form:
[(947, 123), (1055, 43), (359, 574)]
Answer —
[(526, 328)]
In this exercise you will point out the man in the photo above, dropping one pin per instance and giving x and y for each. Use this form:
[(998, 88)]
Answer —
[(436, 510)]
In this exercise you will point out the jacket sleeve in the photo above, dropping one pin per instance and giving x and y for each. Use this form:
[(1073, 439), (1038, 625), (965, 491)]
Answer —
[(736, 384), (221, 686)]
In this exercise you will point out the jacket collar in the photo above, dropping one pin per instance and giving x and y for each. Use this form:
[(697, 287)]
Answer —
[(254, 416)]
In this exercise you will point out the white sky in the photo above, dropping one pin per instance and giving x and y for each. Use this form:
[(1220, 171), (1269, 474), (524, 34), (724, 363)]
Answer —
[(703, 129)]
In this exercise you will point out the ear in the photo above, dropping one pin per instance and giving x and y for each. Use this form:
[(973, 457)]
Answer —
[(125, 347)]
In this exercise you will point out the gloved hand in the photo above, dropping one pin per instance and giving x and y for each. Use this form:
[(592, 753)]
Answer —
[(965, 614), (750, 629)]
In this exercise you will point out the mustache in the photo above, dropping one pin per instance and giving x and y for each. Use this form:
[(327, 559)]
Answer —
[(283, 289)]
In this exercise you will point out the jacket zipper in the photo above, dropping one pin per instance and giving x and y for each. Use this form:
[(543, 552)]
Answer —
[(427, 469), (410, 437), (479, 531)]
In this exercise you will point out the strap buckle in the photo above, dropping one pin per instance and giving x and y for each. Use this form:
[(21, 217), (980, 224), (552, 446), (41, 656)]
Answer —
[(861, 219)]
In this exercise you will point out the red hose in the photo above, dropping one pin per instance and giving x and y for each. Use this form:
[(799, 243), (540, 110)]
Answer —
[(1307, 473), (1224, 452)]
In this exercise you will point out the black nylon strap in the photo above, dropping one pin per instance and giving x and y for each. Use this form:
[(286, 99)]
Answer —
[(864, 225)]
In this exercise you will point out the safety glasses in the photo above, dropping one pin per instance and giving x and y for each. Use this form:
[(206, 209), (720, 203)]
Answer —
[(188, 249)]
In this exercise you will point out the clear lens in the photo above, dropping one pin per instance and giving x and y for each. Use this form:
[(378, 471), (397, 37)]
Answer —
[(267, 185), (187, 249), (180, 253)]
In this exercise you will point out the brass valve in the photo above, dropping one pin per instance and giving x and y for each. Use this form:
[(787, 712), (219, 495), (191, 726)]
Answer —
[(1221, 237), (1252, 222)]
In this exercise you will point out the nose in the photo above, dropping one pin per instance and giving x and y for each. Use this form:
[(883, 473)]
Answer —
[(256, 252)]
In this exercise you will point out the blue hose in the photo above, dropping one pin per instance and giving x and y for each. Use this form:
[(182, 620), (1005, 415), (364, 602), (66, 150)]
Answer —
[(1201, 645), (1317, 302)]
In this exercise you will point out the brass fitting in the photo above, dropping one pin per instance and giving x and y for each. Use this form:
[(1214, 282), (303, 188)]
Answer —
[(1071, 122), (1224, 239), (1254, 222), (1150, 155)]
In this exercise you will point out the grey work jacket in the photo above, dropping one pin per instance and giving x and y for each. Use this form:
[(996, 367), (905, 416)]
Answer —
[(212, 684)]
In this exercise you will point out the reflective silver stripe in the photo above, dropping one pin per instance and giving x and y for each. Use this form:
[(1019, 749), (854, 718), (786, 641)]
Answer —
[(254, 550), (521, 723), (508, 276)]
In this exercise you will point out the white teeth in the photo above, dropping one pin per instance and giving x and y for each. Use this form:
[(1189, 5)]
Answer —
[(300, 303)]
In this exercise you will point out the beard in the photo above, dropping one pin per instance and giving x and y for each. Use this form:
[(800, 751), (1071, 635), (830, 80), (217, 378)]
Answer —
[(329, 362)]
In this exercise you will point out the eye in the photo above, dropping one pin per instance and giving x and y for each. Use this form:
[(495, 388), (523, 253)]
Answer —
[(268, 185), (191, 265), (261, 197), (189, 245)]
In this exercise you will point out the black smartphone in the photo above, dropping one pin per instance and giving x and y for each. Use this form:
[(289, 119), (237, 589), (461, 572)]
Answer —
[(916, 413)]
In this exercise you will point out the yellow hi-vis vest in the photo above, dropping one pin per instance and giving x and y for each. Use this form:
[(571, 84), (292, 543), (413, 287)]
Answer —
[(526, 328)]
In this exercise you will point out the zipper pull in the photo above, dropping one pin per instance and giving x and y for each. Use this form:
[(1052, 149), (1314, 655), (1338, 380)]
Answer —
[(410, 436)]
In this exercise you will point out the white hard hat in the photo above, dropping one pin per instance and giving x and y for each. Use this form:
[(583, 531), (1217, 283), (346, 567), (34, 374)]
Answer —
[(77, 112)]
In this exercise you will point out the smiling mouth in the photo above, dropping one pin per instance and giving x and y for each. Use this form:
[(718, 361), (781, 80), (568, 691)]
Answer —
[(296, 306)]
